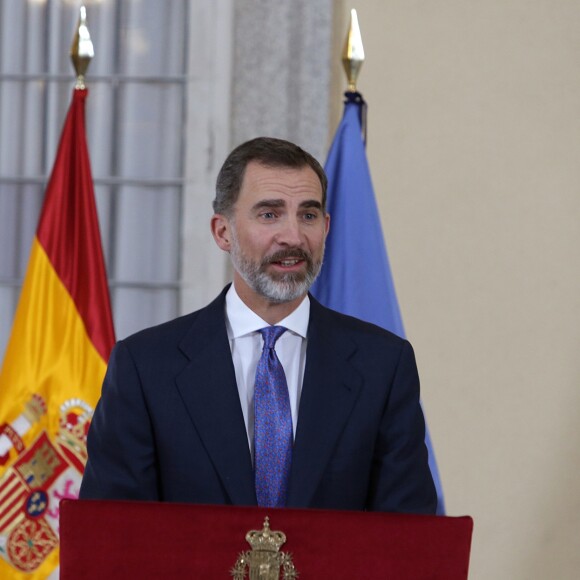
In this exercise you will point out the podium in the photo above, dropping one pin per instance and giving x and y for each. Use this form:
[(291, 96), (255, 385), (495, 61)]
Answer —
[(148, 540)]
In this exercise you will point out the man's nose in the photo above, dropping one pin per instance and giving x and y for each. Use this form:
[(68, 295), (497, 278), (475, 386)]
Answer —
[(290, 233)]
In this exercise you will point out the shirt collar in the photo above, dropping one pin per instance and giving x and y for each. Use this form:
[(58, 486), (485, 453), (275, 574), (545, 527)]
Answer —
[(241, 320)]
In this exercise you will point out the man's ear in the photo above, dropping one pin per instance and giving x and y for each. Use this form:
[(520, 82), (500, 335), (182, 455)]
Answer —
[(221, 231)]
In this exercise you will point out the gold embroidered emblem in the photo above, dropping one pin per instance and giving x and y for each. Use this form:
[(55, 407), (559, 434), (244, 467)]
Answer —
[(36, 477), (41, 466), (30, 543), (264, 560)]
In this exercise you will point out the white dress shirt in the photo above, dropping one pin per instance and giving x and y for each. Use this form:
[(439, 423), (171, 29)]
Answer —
[(246, 344)]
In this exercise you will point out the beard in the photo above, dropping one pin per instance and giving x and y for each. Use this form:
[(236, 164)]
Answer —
[(277, 287)]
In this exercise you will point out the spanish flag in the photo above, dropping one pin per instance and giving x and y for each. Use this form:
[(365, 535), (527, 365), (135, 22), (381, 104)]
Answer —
[(54, 363)]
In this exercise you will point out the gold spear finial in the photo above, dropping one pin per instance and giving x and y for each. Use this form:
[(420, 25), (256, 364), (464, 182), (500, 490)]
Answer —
[(81, 50), (353, 54)]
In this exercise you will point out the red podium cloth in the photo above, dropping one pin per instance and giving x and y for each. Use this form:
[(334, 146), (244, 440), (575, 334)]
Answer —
[(145, 540)]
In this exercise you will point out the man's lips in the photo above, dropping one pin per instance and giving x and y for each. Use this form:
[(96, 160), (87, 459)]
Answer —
[(289, 260), (288, 263)]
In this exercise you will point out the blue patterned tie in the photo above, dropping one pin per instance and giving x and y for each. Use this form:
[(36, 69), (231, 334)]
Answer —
[(272, 424)]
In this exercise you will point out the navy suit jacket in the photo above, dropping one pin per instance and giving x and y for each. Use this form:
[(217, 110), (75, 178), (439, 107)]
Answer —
[(169, 424)]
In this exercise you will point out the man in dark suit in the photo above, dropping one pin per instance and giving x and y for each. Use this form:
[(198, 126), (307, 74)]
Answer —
[(187, 407)]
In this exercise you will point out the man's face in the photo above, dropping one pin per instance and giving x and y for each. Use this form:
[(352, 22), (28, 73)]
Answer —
[(277, 232)]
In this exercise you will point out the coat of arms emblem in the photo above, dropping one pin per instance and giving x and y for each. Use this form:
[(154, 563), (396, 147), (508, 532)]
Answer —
[(36, 477), (264, 560)]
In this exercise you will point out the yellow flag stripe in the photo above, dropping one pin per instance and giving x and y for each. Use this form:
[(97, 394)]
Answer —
[(49, 353)]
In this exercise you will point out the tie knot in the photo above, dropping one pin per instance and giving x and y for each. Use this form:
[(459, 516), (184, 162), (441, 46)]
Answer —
[(271, 334)]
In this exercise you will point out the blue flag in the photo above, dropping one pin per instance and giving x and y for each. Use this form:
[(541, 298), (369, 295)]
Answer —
[(356, 277)]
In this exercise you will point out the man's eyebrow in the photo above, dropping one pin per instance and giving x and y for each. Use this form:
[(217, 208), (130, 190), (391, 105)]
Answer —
[(278, 203), (269, 204), (311, 203)]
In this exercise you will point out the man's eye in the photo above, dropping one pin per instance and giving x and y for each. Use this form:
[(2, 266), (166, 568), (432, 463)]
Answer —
[(310, 216), (268, 215)]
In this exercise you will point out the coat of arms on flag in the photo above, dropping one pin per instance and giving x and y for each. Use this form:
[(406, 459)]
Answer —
[(42, 474)]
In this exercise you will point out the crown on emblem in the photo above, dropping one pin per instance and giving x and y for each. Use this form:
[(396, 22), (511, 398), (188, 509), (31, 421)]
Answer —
[(75, 418), (264, 560), (265, 540), (35, 408)]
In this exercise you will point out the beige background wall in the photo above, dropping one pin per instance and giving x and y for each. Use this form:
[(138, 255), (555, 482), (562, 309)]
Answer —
[(474, 145)]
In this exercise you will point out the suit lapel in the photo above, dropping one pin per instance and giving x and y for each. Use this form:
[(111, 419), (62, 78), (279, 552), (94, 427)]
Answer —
[(330, 388), (208, 388)]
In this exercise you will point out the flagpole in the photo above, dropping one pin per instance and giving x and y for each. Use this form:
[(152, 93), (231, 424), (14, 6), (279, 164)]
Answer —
[(353, 54), (81, 50)]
